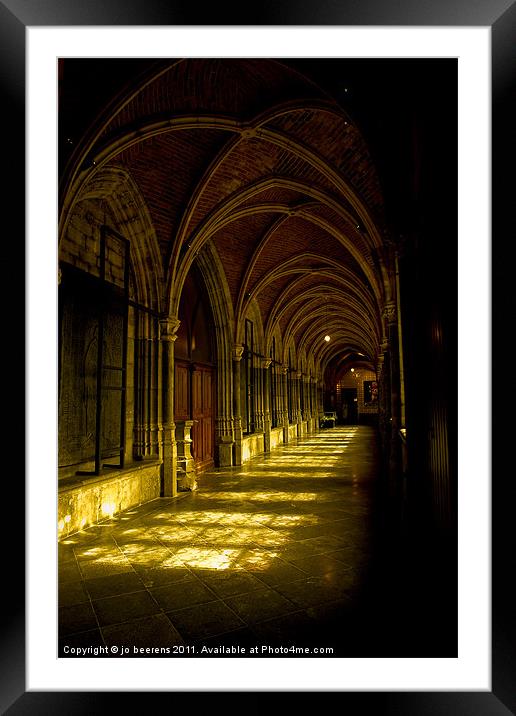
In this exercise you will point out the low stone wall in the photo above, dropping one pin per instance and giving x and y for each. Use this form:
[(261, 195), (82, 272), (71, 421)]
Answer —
[(252, 445), (312, 426), (86, 501), (292, 432), (276, 437)]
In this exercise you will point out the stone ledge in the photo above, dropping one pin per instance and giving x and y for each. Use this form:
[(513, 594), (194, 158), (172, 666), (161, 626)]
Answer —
[(71, 482), (86, 500)]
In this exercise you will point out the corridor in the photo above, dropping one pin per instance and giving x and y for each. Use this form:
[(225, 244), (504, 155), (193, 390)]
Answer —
[(277, 554)]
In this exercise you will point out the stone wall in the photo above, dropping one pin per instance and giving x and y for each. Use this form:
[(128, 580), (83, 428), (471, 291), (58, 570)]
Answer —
[(252, 445), (85, 502)]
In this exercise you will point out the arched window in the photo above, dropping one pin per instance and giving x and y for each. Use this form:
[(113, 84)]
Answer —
[(93, 366)]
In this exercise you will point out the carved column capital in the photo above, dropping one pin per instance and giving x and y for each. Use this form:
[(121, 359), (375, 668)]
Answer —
[(267, 362), (168, 329), (390, 312), (238, 352), (284, 369)]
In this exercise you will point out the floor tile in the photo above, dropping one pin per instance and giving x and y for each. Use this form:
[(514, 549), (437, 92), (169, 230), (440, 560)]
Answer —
[(113, 584), (76, 618), (276, 572), (205, 620), (260, 605), (70, 593), (161, 576), (69, 571), (230, 582), (312, 591), (112, 610), (319, 564), (94, 568), (176, 596), (150, 632)]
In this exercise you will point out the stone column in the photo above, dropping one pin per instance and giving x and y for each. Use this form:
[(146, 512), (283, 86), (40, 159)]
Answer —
[(384, 402), (266, 403), (259, 398), (308, 404), (391, 316), (168, 334), (284, 379), (224, 422), (298, 413), (237, 408), (186, 478), (319, 392)]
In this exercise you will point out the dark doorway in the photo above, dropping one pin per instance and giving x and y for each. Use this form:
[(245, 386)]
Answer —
[(195, 371), (349, 406)]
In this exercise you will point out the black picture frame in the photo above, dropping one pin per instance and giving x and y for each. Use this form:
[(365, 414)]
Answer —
[(500, 15)]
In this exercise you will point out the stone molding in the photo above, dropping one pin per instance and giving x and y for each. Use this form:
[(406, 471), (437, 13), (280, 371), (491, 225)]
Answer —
[(168, 328)]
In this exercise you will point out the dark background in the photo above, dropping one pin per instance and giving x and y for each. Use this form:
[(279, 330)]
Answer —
[(14, 17)]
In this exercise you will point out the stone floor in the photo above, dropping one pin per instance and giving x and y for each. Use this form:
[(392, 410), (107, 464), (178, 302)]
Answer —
[(285, 551)]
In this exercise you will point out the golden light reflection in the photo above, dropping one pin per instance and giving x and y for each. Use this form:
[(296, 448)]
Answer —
[(309, 473), (281, 520), (228, 528), (100, 551), (205, 558), (108, 508), (271, 496), (257, 559)]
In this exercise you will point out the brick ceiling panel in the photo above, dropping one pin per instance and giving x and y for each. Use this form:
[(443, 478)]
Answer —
[(276, 195), (297, 236), (271, 293), (346, 227), (235, 243), (253, 160), (246, 163), (242, 89), (338, 140), (166, 169)]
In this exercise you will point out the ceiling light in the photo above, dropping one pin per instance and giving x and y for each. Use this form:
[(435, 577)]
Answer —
[(326, 338)]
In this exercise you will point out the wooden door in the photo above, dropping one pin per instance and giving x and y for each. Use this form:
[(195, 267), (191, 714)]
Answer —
[(203, 415)]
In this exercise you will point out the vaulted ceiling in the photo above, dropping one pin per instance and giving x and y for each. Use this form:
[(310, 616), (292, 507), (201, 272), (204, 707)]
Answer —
[(255, 158)]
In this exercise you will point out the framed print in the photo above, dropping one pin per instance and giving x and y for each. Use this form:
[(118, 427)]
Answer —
[(469, 671)]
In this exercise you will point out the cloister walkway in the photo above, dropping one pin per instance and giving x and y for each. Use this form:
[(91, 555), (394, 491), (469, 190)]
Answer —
[(282, 554)]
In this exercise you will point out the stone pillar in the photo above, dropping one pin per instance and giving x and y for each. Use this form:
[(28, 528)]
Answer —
[(266, 403), (186, 478), (308, 404), (259, 398), (168, 334), (383, 396), (320, 398), (391, 316), (284, 379), (224, 438), (237, 409), (298, 412)]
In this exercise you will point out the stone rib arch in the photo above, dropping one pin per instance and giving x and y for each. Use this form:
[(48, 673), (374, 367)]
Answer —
[(115, 188)]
